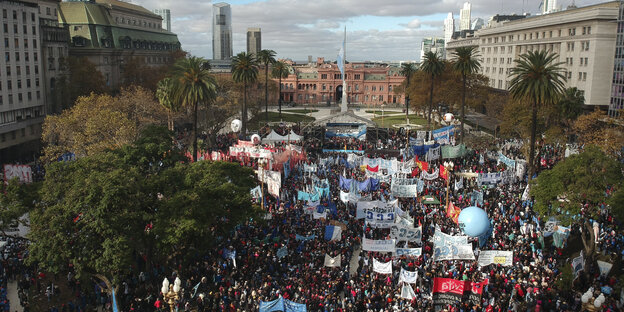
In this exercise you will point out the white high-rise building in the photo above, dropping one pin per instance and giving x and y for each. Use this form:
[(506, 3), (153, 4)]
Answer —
[(464, 17), (449, 27), (549, 6), (221, 31), (166, 16), (254, 41)]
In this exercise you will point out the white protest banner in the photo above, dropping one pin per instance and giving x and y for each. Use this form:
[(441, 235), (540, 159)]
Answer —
[(407, 292), (408, 276), (430, 176), (404, 190), (318, 215), (453, 252), (487, 257), (604, 267), (442, 239), (378, 245), (578, 264), (382, 268), (344, 196), (379, 219), (406, 233), (23, 173), (408, 252), (375, 206), (332, 262)]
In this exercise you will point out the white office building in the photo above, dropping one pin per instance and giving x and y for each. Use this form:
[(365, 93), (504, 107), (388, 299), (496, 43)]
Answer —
[(166, 18), (464, 17), (449, 27), (221, 31)]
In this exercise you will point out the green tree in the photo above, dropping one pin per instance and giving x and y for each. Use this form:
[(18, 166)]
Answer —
[(280, 70), (245, 70), (536, 78), (570, 105), (15, 200), (100, 212), (580, 181), (433, 65), (193, 85), (467, 63), (407, 70), (266, 57), (164, 94)]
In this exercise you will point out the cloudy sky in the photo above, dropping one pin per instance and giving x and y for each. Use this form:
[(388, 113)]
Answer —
[(389, 30)]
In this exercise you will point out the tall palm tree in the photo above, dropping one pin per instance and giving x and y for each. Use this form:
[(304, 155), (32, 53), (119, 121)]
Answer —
[(467, 63), (245, 70), (193, 85), (537, 78), (280, 70), (164, 93), (432, 65), (407, 70), (266, 57)]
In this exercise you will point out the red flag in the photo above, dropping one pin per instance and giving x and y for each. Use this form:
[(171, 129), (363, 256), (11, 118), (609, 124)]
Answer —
[(372, 169), (453, 212), (443, 172), (423, 165)]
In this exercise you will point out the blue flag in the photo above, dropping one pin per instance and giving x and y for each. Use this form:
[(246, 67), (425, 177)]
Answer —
[(270, 306)]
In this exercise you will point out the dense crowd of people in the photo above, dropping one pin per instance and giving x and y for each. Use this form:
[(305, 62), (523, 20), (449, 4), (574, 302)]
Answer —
[(283, 256)]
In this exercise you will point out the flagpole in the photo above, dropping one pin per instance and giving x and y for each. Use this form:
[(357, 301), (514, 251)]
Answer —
[(343, 105)]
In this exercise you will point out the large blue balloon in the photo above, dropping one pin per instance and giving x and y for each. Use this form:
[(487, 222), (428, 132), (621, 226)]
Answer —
[(473, 221)]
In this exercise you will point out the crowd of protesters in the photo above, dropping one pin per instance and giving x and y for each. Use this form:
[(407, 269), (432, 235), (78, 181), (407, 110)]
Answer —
[(283, 255)]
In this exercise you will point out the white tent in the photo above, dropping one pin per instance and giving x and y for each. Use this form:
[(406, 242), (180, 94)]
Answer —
[(274, 137)]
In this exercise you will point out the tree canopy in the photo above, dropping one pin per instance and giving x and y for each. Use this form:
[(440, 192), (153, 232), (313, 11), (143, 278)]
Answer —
[(580, 179), (99, 122), (100, 212)]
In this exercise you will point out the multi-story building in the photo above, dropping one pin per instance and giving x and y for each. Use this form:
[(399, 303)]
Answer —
[(254, 41), (449, 27), (221, 31), (54, 51), (549, 6), (110, 33), (166, 18), (477, 24), (617, 89), (464, 16), (583, 38), (22, 93), (321, 83), (435, 45)]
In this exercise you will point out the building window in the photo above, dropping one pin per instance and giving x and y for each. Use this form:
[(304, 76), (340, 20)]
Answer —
[(357, 76), (323, 76), (572, 31), (584, 76)]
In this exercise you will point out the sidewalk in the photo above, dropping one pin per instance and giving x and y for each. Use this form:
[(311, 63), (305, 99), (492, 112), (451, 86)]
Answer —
[(12, 296)]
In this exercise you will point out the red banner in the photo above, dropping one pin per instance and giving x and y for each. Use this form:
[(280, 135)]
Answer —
[(447, 291), (372, 169), (453, 212)]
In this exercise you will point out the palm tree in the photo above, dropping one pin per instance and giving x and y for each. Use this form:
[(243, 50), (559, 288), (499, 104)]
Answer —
[(164, 93), (467, 63), (280, 70), (245, 70), (432, 65), (193, 85), (538, 79), (407, 70), (266, 57)]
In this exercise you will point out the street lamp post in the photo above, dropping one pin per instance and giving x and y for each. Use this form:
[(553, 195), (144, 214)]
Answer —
[(171, 293), (449, 168)]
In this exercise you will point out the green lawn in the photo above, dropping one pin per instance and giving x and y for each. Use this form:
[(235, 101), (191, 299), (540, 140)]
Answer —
[(300, 111), (388, 121), (259, 120)]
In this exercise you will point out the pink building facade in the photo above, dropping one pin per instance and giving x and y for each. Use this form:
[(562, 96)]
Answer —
[(368, 84)]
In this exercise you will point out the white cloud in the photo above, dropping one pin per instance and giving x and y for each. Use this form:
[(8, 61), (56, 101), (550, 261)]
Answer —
[(283, 31)]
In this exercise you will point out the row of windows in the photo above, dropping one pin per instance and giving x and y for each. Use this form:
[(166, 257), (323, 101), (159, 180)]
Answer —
[(16, 43), (33, 31), (586, 30), (339, 76), (135, 22), (324, 87), (5, 15), (20, 97), (19, 84), (18, 70)]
